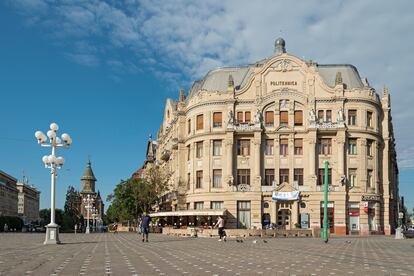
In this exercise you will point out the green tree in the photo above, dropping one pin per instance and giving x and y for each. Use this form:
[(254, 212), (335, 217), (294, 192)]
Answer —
[(72, 214), (44, 215), (134, 196)]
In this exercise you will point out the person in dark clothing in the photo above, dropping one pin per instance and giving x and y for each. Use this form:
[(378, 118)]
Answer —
[(145, 223)]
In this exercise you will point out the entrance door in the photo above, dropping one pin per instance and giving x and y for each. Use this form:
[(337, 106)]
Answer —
[(283, 218), (243, 214)]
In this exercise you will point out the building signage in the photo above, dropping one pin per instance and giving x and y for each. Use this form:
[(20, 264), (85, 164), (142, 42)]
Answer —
[(370, 198), (285, 195), (283, 83)]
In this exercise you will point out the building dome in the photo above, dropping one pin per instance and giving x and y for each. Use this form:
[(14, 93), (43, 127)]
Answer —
[(280, 41), (280, 46)]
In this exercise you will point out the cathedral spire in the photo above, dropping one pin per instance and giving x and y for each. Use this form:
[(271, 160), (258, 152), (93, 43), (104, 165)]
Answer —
[(88, 179)]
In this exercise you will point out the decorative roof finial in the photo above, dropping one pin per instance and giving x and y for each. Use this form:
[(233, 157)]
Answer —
[(338, 79), (230, 82), (384, 90), (182, 95), (280, 46)]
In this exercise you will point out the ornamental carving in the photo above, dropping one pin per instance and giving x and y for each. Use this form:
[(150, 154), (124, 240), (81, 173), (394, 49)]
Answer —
[(283, 66)]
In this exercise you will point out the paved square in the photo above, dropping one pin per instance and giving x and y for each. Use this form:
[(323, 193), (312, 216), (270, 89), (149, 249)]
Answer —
[(125, 254)]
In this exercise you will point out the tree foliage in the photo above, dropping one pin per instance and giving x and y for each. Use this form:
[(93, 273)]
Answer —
[(71, 208), (134, 196)]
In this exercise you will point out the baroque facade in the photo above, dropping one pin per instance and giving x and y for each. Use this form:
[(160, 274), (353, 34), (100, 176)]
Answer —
[(251, 143)]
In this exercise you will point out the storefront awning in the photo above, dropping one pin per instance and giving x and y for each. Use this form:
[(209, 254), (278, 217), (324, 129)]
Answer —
[(184, 213)]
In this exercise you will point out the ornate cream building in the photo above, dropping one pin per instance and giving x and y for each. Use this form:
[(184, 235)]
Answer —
[(251, 143)]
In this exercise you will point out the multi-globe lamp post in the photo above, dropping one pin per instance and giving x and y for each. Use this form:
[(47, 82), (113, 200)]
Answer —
[(52, 162), (88, 201)]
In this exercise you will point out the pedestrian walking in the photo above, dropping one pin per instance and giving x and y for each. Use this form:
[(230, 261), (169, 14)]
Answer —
[(145, 223), (115, 228), (220, 225)]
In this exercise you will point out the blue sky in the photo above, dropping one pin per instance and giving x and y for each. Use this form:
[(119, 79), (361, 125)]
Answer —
[(103, 69)]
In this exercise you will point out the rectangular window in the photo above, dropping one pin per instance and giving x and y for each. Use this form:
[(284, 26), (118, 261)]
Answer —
[(217, 147), (298, 176), (198, 205), (283, 146), (247, 117), (284, 119), (217, 205), (298, 146), (283, 175), (370, 182), (352, 146), (243, 147), (369, 119), (352, 117), (239, 117), (298, 118), (369, 148), (199, 179), (243, 177), (200, 122), (199, 149), (325, 146), (328, 116), (189, 126), (321, 176), (269, 118), (216, 178), (217, 119), (269, 177), (188, 153), (188, 181), (269, 147), (352, 177), (320, 116)]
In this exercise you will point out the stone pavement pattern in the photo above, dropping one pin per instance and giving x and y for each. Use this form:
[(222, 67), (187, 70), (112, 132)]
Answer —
[(125, 254)]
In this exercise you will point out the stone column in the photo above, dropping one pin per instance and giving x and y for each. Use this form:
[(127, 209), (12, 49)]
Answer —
[(228, 168), (257, 178), (311, 149), (295, 213), (362, 169), (341, 156), (207, 165)]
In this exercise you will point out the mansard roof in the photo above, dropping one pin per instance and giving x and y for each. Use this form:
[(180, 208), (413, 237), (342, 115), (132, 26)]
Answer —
[(217, 79)]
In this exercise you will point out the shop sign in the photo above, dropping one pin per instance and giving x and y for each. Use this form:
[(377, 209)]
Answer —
[(285, 195), (355, 213), (370, 198)]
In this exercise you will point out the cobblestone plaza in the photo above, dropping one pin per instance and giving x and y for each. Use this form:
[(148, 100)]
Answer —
[(125, 254)]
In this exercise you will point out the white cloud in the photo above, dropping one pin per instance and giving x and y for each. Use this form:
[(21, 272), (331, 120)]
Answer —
[(181, 40)]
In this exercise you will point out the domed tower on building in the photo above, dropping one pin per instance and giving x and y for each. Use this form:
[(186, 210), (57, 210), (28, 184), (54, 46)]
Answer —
[(88, 188)]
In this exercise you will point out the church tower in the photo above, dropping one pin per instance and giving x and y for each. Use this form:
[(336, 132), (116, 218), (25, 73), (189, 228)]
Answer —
[(88, 180)]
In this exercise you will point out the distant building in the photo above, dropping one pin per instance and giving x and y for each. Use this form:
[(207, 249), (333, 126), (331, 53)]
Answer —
[(28, 202), (251, 142), (88, 188), (8, 195)]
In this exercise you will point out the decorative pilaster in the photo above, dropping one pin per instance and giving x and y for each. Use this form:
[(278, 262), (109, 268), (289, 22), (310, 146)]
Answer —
[(257, 179)]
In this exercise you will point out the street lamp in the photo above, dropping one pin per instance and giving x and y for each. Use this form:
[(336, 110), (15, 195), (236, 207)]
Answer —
[(88, 201), (52, 162)]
